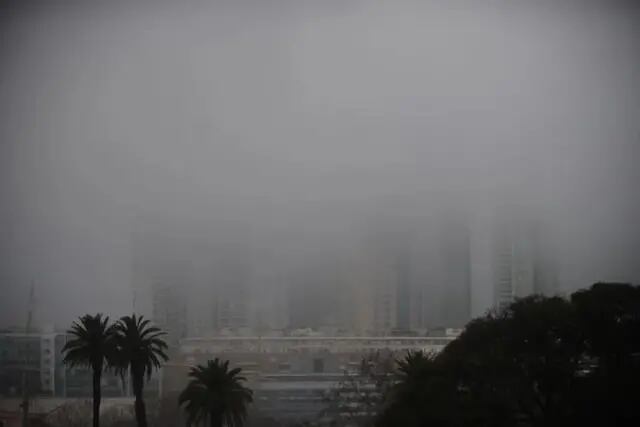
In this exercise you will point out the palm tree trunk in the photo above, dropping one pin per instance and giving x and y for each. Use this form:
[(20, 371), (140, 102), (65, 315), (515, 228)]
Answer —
[(97, 396), (141, 413)]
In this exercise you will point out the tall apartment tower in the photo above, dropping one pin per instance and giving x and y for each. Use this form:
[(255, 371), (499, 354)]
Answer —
[(524, 261), (415, 279), (268, 305), (161, 281), (454, 265), (191, 278), (513, 265), (230, 285), (440, 271), (369, 276), (170, 311), (402, 267)]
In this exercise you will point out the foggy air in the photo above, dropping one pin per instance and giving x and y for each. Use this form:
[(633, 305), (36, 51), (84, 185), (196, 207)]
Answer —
[(297, 185)]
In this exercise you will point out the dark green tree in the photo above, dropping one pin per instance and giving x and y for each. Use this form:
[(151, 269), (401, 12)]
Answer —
[(216, 394), (607, 394), (523, 360), (544, 342), (538, 362), (91, 345), (515, 366), (610, 318), (139, 349), (424, 394)]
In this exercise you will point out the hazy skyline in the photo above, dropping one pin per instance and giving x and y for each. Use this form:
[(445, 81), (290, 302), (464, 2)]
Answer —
[(305, 122)]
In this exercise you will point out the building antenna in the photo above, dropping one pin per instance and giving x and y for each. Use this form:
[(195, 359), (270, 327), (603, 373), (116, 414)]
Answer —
[(25, 382)]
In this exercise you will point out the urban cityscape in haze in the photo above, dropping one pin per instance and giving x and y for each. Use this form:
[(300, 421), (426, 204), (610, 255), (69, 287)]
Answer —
[(382, 279), (343, 213)]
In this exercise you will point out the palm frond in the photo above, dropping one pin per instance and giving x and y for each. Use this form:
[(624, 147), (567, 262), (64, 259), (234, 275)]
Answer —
[(139, 346), (216, 391), (90, 343)]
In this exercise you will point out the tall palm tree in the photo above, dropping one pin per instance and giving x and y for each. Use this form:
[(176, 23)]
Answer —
[(139, 350), (216, 394), (91, 346)]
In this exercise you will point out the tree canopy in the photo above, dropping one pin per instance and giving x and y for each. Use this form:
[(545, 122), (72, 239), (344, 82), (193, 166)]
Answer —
[(139, 349), (91, 345), (541, 361), (216, 395)]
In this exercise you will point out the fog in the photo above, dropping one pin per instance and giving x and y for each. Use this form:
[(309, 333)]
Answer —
[(289, 137)]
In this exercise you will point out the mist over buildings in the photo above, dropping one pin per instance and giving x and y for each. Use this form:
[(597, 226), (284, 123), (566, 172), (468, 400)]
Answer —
[(294, 156)]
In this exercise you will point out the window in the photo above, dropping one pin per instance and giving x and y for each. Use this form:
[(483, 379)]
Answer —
[(318, 366)]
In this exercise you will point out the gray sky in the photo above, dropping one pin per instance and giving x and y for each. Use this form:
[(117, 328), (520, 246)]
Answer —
[(303, 119)]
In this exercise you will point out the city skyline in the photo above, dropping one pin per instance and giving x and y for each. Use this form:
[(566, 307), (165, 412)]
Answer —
[(304, 123), (376, 284)]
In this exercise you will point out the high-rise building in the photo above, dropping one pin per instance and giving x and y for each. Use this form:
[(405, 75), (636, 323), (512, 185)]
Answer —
[(268, 308), (190, 282), (315, 294), (410, 281), (170, 311), (231, 311), (369, 290), (545, 265), (402, 268), (523, 259), (392, 302), (513, 265), (162, 278), (454, 263)]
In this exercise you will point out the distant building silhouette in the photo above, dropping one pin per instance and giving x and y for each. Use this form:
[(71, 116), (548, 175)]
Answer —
[(162, 279), (523, 259), (170, 311), (192, 283), (39, 355), (454, 256)]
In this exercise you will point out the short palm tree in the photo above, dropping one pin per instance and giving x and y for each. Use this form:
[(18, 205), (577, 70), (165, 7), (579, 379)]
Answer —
[(416, 374), (139, 349), (216, 394), (415, 364), (91, 345)]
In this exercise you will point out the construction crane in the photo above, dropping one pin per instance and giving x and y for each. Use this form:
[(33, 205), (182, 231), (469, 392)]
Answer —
[(25, 381)]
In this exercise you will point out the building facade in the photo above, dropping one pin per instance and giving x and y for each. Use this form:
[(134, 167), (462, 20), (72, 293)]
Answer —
[(291, 377), (523, 260), (35, 360)]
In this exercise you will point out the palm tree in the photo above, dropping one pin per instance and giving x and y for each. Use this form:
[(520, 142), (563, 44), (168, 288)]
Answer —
[(415, 364), (217, 394), (420, 395), (90, 346), (139, 350)]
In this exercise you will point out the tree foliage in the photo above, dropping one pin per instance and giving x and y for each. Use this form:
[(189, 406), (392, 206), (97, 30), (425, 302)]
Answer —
[(539, 362), (91, 345), (139, 349), (216, 394)]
